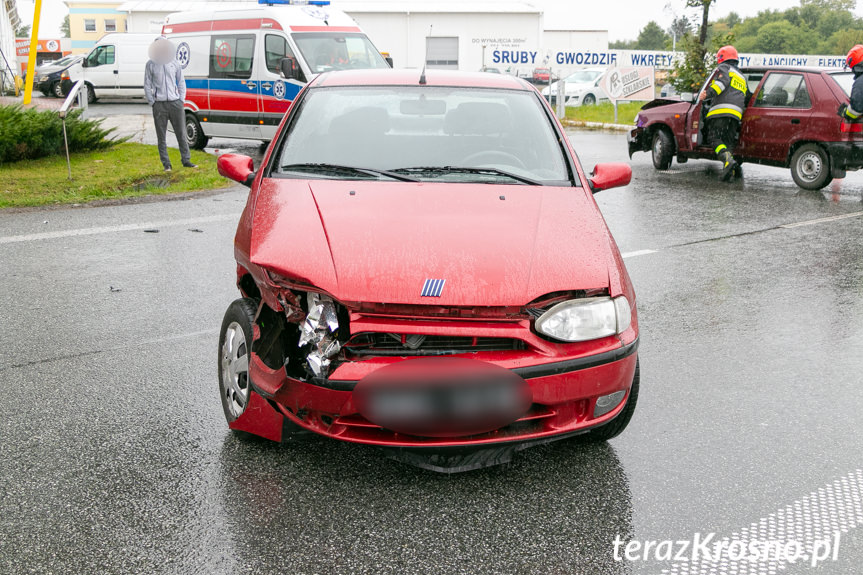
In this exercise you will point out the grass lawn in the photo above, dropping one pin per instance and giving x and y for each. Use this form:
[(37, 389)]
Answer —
[(604, 113), (124, 171)]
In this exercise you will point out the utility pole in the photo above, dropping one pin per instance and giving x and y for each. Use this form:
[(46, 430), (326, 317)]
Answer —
[(34, 45)]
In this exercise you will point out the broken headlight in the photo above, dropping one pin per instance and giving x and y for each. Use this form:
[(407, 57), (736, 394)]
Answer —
[(586, 319), (319, 332)]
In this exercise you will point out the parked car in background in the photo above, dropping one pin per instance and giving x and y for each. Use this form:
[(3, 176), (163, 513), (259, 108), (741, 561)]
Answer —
[(398, 290), (541, 75), (791, 121), (490, 70), (55, 78), (582, 88), (667, 91)]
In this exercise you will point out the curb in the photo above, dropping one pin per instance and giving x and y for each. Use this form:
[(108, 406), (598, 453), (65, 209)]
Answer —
[(596, 125)]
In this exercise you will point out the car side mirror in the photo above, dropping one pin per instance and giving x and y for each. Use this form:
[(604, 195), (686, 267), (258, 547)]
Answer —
[(389, 60), (237, 167), (84, 63), (687, 97), (607, 176), (290, 69)]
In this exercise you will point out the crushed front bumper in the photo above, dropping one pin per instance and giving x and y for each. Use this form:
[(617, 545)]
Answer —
[(635, 139)]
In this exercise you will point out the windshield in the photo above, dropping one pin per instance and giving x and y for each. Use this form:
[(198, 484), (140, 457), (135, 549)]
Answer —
[(325, 51), (845, 81), (426, 133), (583, 77)]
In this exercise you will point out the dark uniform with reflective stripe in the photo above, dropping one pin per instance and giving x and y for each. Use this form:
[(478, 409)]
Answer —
[(854, 112), (727, 98)]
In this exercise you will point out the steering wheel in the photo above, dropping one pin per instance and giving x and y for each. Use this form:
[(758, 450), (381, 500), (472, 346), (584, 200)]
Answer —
[(504, 157)]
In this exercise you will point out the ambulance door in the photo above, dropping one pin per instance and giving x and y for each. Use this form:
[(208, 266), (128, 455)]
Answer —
[(234, 89), (277, 93)]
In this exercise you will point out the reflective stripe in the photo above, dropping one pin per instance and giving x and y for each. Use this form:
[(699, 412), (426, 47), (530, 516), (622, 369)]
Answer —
[(852, 113), (720, 147), (729, 109), (718, 86)]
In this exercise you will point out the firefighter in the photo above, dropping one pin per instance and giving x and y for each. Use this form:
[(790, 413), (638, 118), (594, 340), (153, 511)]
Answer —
[(726, 96), (854, 112)]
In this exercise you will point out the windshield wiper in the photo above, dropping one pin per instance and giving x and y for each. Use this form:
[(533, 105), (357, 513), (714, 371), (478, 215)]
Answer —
[(468, 170), (322, 167)]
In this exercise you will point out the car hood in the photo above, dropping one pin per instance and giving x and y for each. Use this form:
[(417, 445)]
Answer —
[(495, 245)]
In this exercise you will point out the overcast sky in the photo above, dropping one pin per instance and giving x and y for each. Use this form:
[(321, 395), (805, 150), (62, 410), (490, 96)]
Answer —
[(622, 18)]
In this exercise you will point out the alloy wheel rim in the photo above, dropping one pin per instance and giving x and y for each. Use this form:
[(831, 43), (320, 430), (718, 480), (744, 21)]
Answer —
[(235, 369)]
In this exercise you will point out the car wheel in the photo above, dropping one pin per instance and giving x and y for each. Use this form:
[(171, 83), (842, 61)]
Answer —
[(663, 149), (91, 94), (589, 100), (194, 133), (616, 426), (57, 88), (235, 346), (810, 167)]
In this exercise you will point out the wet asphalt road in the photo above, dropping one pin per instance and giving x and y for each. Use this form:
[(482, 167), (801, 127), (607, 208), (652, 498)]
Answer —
[(115, 458)]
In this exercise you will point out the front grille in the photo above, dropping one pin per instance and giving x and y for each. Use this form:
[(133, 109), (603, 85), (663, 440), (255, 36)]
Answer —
[(391, 344)]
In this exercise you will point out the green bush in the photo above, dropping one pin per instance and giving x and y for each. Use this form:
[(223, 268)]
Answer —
[(27, 134)]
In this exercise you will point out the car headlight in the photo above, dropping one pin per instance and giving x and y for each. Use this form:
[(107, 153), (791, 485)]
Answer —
[(586, 319)]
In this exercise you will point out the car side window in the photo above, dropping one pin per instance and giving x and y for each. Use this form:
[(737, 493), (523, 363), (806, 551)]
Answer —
[(784, 90), (232, 56), (101, 56), (276, 48)]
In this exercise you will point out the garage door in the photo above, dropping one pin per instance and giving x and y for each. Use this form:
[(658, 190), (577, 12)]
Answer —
[(442, 53)]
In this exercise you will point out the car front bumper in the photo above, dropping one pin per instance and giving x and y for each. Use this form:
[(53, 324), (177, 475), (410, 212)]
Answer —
[(636, 141), (564, 395)]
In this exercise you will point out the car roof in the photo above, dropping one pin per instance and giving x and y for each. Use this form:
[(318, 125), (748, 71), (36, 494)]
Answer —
[(448, 78), (789, 69)]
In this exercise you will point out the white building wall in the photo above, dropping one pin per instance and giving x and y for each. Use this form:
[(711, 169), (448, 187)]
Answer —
[(146, 22), (7, 41)]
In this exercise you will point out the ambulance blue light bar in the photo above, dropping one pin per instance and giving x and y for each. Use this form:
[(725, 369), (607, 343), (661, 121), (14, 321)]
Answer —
[(296, 2)]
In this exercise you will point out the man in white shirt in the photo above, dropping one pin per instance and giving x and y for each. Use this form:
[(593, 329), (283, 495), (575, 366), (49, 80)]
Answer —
[(165, 89)]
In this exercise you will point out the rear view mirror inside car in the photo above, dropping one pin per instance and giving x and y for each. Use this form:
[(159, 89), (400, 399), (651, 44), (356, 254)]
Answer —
[(423, 107)]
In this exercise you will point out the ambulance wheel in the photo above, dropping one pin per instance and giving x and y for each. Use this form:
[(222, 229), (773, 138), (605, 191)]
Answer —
[(810, 167), (194, 134)]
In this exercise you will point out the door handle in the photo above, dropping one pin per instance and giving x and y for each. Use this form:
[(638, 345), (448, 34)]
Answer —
[(116, 71), (252, 85), (795, 120), (266, 86)]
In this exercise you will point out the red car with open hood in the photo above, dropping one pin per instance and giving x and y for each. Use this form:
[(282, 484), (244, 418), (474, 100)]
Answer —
[(423, 268)]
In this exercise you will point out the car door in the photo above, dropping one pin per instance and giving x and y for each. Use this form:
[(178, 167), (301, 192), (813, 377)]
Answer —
[(776, 117), (234, 90), (102, 70), (276, 92)]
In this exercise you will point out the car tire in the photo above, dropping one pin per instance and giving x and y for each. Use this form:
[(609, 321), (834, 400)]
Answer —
[(57, 90), (663, 149), (235, 346), (810, 167), (616, 426), (194, 133), (91, 94), (588, 100)]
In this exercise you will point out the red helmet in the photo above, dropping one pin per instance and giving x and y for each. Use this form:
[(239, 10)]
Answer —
[(727, 53), (855, 56)]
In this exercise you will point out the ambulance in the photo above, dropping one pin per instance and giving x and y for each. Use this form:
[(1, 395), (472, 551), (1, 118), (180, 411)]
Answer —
[(244, 66)]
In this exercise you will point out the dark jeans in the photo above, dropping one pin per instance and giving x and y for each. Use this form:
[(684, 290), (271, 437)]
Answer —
[(164, 112), (722, 133)]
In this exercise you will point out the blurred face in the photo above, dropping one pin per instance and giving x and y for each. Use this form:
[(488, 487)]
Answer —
[(162, 51)]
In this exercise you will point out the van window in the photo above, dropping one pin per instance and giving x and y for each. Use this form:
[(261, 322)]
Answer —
[(101, 56), (325, 51), (783, 90), (232, 56), (276, 48)]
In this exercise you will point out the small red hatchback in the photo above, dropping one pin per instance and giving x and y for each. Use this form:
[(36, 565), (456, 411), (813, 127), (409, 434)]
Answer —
[(791, 121), (423, 268)]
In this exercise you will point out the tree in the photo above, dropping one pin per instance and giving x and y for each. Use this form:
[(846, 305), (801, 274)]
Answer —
[(680, 27), (651, 37), (831, 5), (22, 32), (779, 38), (690, 73), (65, 27)]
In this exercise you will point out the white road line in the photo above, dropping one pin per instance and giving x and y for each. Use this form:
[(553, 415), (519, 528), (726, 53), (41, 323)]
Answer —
[(823, 220), (834, 508), (637, 253), (114, 229)]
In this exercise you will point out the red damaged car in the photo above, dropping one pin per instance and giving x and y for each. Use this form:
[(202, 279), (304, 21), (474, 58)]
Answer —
[(790, 121), (423, 268)]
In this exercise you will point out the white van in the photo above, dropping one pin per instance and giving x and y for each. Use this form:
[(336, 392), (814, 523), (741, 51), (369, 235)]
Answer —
[(114, 68), (244, 67)]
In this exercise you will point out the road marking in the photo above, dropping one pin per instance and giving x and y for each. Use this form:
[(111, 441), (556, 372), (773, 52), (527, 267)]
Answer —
[(114, 229), (822, 220), (635, 254), (834, 508)]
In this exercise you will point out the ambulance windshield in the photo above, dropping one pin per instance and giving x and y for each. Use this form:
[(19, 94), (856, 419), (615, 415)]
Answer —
[(326, 51)]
